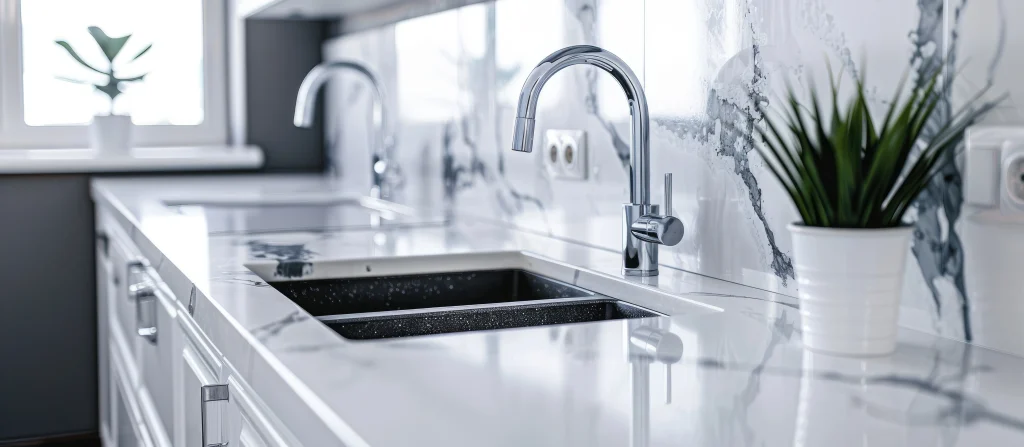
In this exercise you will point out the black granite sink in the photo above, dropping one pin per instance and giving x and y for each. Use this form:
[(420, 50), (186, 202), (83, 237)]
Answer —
[(411, 305)]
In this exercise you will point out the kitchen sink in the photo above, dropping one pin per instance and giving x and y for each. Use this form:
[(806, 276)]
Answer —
[(439, 303)]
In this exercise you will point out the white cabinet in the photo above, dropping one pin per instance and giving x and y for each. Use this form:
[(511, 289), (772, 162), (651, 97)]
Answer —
[(247, 425), (154, 350), (126, 432), (127, 426), (163, 383), (134, 306), (197, 401)]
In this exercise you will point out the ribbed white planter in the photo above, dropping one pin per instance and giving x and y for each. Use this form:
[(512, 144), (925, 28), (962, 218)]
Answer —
[(111, 133), (849, 283)]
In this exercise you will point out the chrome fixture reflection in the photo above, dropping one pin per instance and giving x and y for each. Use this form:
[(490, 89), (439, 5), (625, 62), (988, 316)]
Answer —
[(642, 227), (383, 170), (649, 342)]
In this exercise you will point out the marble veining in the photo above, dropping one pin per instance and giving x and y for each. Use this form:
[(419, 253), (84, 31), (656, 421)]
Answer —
[(710, 69), (743, 377), (939, 252)]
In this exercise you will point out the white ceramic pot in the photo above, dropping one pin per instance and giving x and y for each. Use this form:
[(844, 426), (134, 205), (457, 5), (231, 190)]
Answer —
[(850, 281), (111, 133)]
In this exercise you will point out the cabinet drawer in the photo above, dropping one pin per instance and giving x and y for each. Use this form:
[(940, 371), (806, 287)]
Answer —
[(129, 428), (152, 330), (247, 425), (126, 266), (197, 424)]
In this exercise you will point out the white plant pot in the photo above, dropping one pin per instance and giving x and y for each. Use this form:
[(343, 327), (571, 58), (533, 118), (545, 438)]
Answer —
[(111, 133), (849, 283)]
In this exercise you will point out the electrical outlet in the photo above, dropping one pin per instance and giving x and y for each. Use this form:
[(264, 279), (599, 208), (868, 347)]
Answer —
[(1013, 175), (994, 170), (565, 154), (552, 153)]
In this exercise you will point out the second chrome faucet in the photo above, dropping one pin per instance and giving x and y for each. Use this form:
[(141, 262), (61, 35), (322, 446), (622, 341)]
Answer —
[(383, 170), (643, 228)]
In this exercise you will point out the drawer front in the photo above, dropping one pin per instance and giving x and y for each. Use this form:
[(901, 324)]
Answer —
[(247, 425), (152, 330), (129, 428), (127, 270), (200, 420)]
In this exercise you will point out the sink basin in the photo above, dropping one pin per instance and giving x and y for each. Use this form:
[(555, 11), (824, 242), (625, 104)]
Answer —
[(439, 303), (378, 325)]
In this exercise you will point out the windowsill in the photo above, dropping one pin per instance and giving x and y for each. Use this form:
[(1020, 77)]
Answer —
[(143, 159)]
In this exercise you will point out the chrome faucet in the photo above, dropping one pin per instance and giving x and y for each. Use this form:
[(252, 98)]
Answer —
[(382, 168), (642, 227)]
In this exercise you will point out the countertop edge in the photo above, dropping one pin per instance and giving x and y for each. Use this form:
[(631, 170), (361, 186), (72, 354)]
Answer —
[(148, 159)]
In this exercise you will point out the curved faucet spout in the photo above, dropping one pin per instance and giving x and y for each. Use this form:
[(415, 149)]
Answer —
[(305, 101), (643, 229), (639, 154), (305, 109)]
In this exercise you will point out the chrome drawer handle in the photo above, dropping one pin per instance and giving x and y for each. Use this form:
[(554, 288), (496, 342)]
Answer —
[(212, 393), (145, 314), (136, 285)]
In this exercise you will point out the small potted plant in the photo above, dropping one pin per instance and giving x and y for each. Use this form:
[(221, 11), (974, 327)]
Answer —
[(853, 179), (110, 132)]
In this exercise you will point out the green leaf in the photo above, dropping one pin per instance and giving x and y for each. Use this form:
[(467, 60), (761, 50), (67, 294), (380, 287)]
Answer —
[(132, 79), (73, 81), (846, 170), (144, 51), (111, 46), (78, 58), (111, 89)]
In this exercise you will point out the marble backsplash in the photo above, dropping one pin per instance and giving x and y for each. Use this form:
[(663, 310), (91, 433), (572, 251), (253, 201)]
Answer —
[(454, 79)]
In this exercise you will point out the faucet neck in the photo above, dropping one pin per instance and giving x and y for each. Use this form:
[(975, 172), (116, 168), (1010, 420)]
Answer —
[(305, 101), (639, 152)]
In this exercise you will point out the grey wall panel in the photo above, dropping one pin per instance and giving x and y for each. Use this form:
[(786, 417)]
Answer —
[(279, 53), (47, 307)]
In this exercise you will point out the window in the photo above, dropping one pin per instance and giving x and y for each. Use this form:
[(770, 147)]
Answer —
[(182, 100)]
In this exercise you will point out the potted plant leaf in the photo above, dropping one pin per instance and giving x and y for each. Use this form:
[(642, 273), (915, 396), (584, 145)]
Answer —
[(110, 132), (853, 179)]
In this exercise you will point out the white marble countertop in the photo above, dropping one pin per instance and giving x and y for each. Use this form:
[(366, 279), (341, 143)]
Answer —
[(743, 379), (142, 159)]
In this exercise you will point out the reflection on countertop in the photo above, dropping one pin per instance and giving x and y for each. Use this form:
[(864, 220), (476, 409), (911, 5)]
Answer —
[(739, 374)]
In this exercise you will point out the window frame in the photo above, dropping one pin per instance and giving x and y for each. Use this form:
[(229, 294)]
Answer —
[(213, 130)]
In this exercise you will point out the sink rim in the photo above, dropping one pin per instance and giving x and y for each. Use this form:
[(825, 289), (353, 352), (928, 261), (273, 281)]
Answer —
[(453, 320), (660, 301), (292, 199), (340, 318)]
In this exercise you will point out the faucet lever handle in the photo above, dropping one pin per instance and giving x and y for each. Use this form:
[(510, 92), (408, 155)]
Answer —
[(668, 194)]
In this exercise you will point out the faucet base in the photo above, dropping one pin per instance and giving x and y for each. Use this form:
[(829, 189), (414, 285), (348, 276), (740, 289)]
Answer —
[(640, 273), (639, 258)]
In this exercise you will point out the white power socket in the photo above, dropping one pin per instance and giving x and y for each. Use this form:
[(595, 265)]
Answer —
[(1013, 174), (994, 171), (565, 154)]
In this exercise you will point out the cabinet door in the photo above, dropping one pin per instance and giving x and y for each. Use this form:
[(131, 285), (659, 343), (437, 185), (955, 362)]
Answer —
[(199, 411), (126, 422), (247, 425), (125, 269), (154, 344), (126, 435)]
